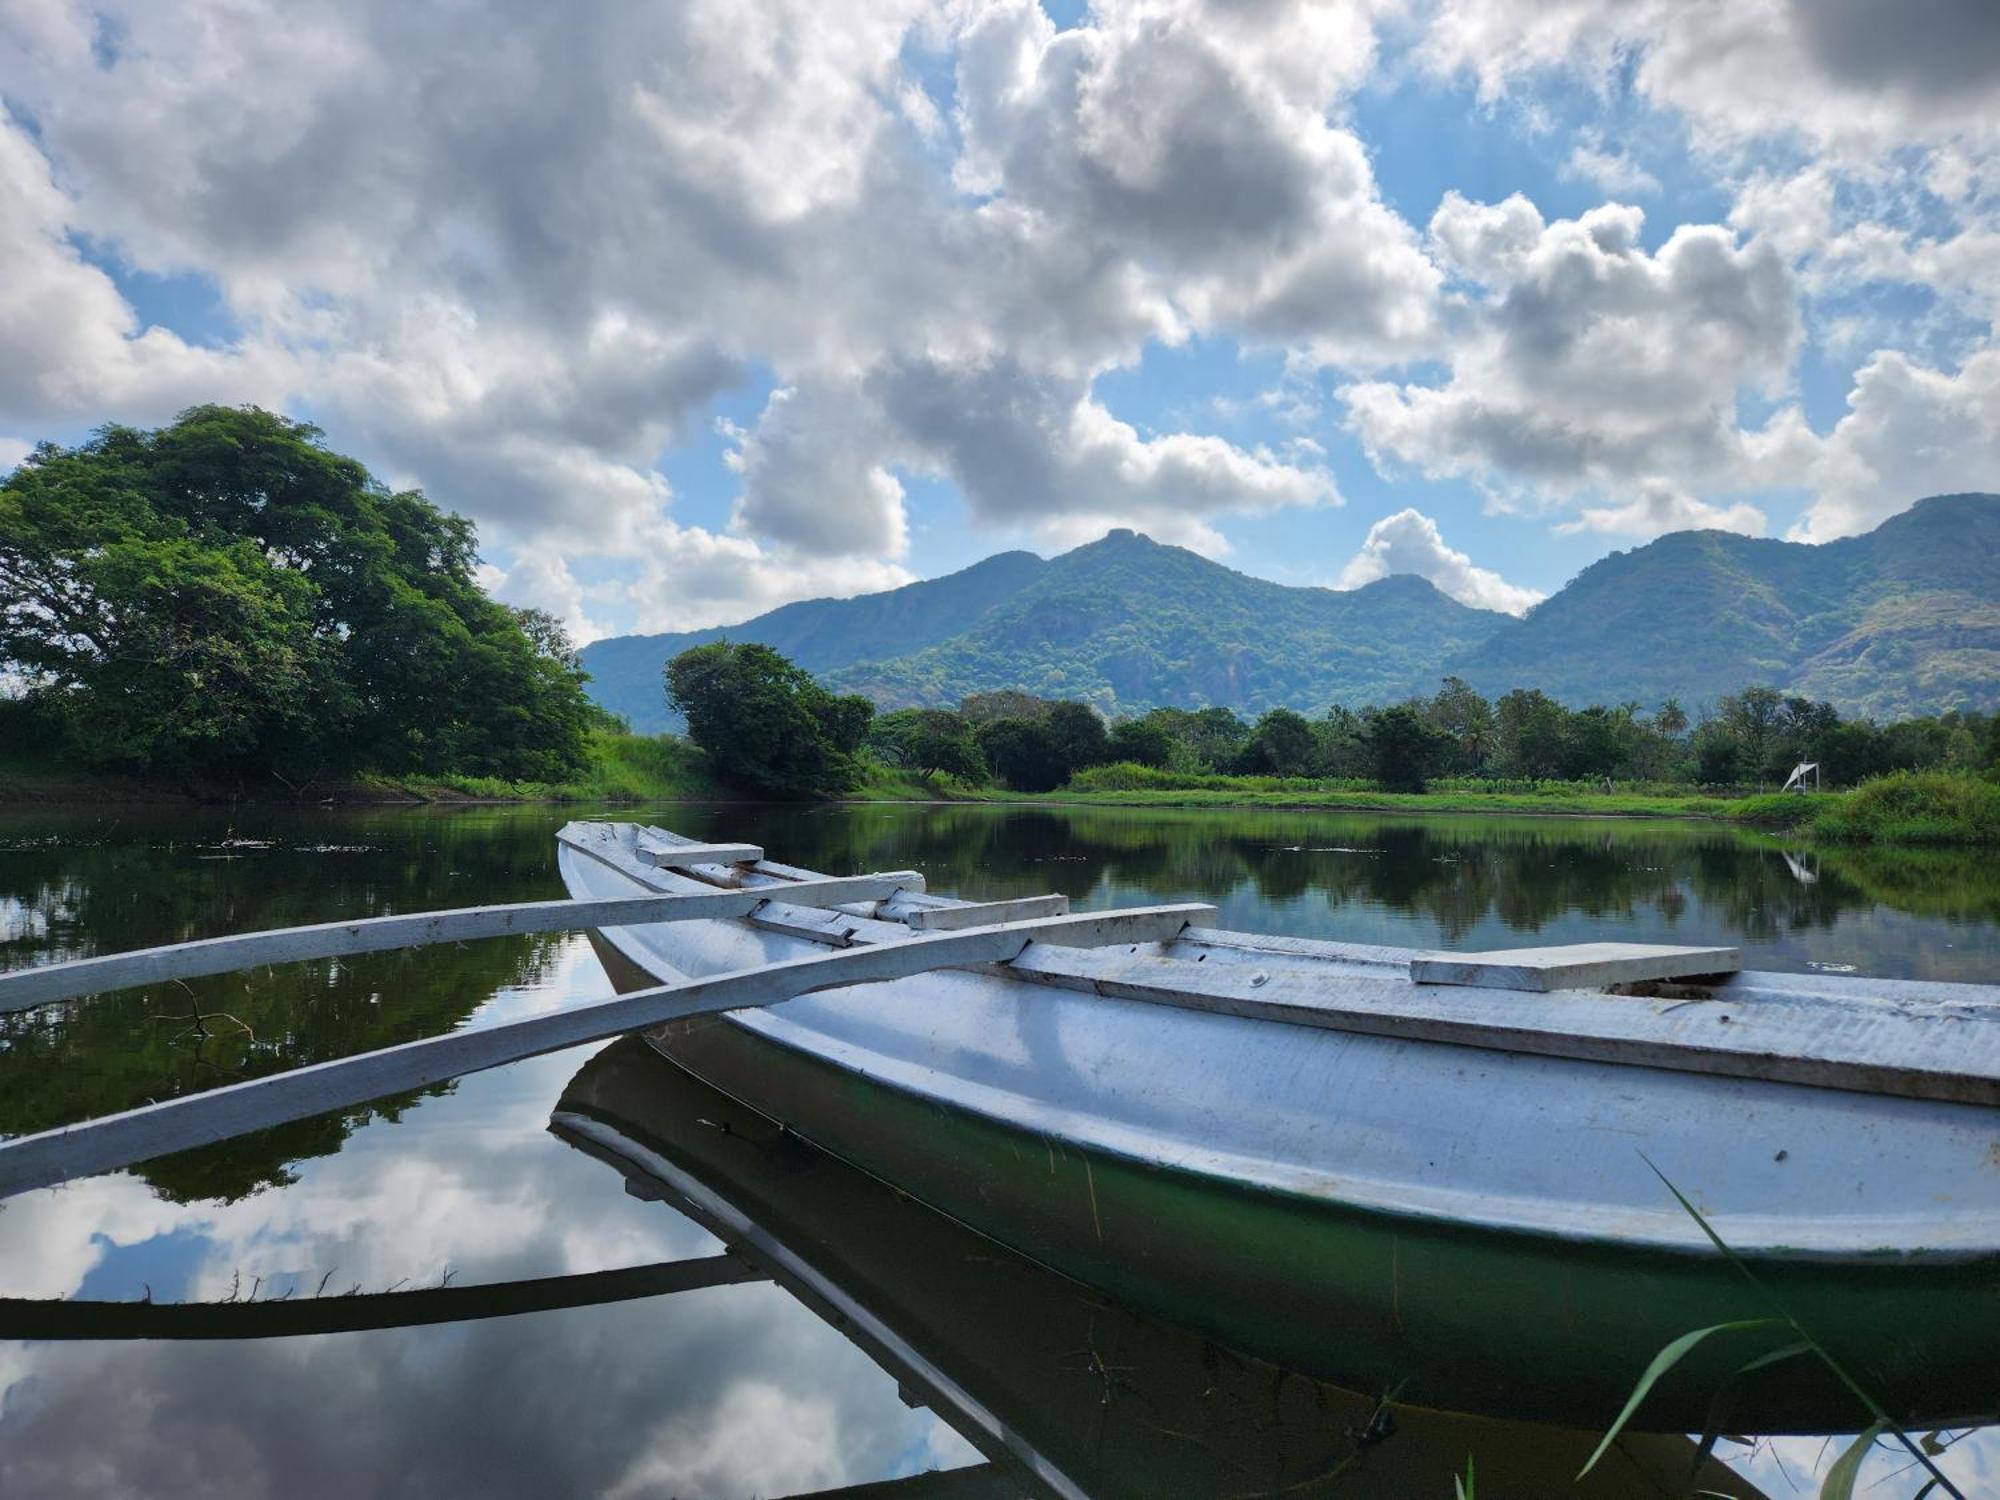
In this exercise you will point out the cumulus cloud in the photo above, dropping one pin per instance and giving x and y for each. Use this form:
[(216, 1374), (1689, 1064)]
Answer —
[(1910, 431), (1410, 542), (1847, 76), (1613, 171), (520, 308), (1589, 366), (1659, 507)]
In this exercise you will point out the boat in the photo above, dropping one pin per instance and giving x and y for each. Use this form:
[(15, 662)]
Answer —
[(1483, 1194), (1063, 1392)]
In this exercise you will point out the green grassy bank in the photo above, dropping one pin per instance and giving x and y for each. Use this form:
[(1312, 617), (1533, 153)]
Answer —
[(1925, 807), (1908, 808)]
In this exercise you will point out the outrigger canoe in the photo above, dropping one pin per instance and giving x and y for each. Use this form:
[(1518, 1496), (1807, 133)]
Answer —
[(1442, 1179)]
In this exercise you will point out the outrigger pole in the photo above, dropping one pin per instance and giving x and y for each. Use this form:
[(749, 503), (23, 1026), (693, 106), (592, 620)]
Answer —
[(155, 1130)]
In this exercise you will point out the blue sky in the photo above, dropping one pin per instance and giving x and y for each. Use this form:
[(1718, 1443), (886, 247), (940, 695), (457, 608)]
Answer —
[(702, 311)]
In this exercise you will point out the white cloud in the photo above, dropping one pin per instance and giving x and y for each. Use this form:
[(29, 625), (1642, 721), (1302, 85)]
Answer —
[(1410, 542), (1587, 366), (1661, 508), (521, 308), (12, 451), (1613, 171), (1850, 77), (1910, 431)]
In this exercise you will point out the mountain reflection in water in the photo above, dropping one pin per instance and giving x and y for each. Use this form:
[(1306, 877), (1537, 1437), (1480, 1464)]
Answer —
[(728, 1390)]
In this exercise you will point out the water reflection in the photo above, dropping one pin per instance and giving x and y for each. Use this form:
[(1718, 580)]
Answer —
[(726, 1391), (1041, 1374)]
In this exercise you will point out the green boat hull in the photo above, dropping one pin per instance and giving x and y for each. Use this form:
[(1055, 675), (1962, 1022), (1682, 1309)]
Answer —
[(1505, 1324)]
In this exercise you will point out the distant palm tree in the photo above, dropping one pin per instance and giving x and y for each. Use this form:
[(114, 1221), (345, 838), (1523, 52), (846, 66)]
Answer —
[(1671, 718)]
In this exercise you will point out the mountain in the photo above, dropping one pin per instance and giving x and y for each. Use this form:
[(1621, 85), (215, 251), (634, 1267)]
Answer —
[(1904, 619), (1124, 622), (1130, 624), (818, 634)]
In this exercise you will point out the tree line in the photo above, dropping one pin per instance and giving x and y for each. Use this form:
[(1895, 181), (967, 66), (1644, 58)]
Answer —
[(768, 725)]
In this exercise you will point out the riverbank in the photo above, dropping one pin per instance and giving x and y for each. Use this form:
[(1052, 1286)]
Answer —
[(1905, 809), (621, 768)]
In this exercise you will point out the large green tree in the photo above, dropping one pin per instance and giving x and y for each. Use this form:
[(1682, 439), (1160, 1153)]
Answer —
[(766, 724), (226, 599)]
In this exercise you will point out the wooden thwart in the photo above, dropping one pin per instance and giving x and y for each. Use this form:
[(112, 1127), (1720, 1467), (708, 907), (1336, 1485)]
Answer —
[(201, 1119), (662, 854), (47, 983), (984, 913), (1573, 966)]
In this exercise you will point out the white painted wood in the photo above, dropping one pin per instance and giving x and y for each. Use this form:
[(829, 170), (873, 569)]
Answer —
[(1873, 1051), (981, 913), (47, 983), (1880, 1037), (201, 1119), (1572, 966), (661, 854)]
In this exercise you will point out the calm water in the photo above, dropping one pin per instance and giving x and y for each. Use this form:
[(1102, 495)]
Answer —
[(734, 1390)]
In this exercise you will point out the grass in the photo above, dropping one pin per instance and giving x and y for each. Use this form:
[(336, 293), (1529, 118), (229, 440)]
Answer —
[(620, 768), (1915, 807), (1907, 808)]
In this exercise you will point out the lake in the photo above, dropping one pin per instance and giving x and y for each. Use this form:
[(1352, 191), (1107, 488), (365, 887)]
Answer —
[(736, 1389)]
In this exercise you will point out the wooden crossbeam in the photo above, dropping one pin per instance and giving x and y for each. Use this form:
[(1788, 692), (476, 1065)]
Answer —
[(1572, 966), (47, 983), (661, 854), (155, 1130), (984, 913)]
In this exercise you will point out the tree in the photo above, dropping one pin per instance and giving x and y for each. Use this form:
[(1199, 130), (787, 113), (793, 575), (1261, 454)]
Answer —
[(1531, 728), (1143, 742), (1005, 703), (940, 742), (1672, 719), (1468, 718), (1403, 748), (1024, 754), (1339, 748), (1593, 746), (766, 724), (1280, 745), (1755, 717), (225, 598), (1079, 736)]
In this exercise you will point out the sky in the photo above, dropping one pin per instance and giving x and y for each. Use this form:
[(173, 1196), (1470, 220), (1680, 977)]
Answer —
[(701, 307)]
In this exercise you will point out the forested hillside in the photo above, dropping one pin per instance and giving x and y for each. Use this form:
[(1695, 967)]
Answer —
[(1904, 620)]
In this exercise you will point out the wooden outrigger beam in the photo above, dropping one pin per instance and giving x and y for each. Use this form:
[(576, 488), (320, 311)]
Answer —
[(137, 1135), (22, 989)]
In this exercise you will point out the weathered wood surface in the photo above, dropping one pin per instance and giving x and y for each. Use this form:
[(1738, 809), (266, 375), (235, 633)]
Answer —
[(137, 1135), (295, 1317), (1572, 966), (1946, 1053), (660, 853), (44, 984), (1916, 1039), (984, 913)]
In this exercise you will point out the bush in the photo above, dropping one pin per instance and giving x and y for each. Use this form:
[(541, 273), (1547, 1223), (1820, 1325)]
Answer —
[(1916, 807)]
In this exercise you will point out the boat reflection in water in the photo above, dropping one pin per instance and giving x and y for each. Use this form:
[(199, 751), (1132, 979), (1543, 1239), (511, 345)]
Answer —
[(1066, 1392)]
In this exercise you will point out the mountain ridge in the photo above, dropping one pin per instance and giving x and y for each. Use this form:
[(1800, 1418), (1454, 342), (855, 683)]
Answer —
[(1901, 619)]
